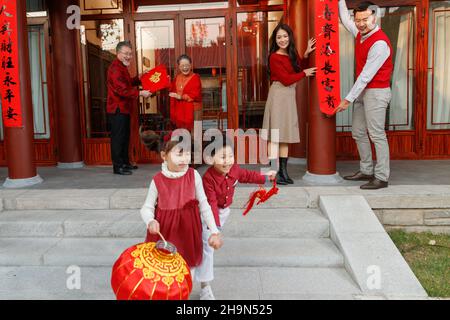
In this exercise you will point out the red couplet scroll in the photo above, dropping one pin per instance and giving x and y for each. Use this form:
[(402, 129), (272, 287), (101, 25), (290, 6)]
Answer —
[(327, 56), (9, 68)]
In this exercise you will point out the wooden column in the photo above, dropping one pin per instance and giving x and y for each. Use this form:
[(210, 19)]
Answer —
[(321, 130), (66, 86), (19, 141), (297, 19)]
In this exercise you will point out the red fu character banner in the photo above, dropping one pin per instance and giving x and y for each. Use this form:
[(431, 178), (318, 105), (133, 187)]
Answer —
[(327, 56), (9, 81)]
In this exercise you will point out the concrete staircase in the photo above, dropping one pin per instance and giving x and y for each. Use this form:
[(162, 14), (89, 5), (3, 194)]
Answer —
[(280, 250)]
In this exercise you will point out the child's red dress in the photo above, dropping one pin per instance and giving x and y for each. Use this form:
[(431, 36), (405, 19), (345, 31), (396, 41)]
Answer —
[(179, 216)]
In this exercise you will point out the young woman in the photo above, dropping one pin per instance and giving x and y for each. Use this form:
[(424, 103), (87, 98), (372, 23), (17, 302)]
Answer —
[(286, 69)]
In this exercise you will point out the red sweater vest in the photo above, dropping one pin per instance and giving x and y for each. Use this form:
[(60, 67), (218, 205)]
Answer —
[(383, 77)]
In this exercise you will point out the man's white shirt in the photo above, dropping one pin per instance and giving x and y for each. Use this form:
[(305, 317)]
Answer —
[(378, 54)]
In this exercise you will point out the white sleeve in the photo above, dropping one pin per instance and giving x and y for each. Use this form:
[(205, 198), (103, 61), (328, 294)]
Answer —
[(346, 19), (205, 208), (378, 54), (148, 209)]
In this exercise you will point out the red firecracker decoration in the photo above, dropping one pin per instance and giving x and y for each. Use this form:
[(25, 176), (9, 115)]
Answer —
[(260, 194), (147, 272)]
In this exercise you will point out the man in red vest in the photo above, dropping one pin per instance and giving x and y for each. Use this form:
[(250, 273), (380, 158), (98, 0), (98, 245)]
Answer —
[(370, 94), (122, 95)]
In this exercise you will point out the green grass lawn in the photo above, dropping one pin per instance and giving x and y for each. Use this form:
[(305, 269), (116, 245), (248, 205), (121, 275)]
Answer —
[(430, 263)]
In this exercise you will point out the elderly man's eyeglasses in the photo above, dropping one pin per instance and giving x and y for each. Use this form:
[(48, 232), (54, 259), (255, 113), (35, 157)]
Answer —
[(126, 54)]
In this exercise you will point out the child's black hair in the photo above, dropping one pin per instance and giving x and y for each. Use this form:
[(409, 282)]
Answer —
[(224, 141)]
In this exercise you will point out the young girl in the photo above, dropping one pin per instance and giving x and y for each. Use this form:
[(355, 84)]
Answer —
[(176, 206), (219, 182), (286, 69)]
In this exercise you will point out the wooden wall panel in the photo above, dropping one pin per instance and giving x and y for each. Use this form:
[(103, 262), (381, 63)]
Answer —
[(346, 147), (97, 151), (401, 145), (437, 145), (147, 156), (44, 153)]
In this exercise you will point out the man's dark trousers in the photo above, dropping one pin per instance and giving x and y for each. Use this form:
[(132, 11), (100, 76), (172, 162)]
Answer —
[(120, 138)]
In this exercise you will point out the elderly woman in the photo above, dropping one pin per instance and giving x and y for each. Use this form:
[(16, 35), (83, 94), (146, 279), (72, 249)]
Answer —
[(186, 95)]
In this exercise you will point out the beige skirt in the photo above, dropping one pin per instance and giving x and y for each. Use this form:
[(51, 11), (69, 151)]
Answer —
[(281, 113)]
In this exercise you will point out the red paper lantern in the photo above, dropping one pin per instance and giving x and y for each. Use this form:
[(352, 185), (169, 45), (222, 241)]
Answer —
[(151, 271)]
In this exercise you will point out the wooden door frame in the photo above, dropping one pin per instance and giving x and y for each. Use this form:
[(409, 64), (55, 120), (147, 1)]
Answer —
[(439, 135), (179, 18)]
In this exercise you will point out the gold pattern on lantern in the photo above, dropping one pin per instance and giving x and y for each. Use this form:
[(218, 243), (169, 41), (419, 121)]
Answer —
[(168, 281), (138, 263), (156, 264), (180, 278), (148, 274)]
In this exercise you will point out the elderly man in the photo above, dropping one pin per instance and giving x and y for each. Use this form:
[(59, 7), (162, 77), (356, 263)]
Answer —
[(371, 93), (122, 95)]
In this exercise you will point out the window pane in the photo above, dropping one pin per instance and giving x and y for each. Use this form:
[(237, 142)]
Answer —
[(100, 6), (254, 30), (256, 2), (347, 61), (155, 45), (36, 44), (36, 5), (99, 40), (439, 66), (399, 25), (205, 44), (184, 6)]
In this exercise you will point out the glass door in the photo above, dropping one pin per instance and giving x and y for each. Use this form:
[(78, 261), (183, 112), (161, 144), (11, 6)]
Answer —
[(254, 30), (155, 45), (161, 42), (205, 43)]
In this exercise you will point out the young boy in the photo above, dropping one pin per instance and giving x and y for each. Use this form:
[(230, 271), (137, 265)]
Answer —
[(219, 182)]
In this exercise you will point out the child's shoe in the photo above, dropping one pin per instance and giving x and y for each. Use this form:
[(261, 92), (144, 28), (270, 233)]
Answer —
[(207, 294)]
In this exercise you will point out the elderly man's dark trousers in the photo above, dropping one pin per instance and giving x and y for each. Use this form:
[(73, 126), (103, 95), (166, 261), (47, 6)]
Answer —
[(120, 138)]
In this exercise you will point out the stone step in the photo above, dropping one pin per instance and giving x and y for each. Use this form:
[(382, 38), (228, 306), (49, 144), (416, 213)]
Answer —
[(248, 252), (70, 199), (236, 283), (126, 223), (394, 197)]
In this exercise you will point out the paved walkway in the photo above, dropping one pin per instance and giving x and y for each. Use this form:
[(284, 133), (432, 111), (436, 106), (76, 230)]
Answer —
[(422, 172)]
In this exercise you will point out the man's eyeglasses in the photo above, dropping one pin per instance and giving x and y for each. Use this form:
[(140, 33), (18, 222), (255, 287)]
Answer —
[(126, 54)]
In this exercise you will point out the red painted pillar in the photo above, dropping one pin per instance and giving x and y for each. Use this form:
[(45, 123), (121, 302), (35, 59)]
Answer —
[(66, 86), (321, 130), (297, 19), (19, 141)]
